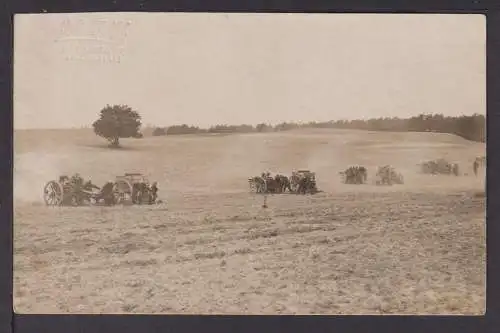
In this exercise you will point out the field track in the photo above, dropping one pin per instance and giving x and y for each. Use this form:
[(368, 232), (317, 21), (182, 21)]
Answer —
[(211, 248)]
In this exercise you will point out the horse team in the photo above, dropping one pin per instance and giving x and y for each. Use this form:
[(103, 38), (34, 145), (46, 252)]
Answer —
[(302, 181)]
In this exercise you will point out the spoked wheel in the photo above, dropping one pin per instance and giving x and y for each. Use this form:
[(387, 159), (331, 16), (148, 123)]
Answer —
[(123, 192), (53, 194)]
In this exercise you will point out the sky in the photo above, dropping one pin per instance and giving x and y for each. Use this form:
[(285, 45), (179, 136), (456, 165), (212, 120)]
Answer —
[(205, 69)]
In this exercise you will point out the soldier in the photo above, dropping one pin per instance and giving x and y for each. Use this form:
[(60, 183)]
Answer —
[(77, 187), (89, 186), (77, 180), (64, 181), (154, 192), (364, 174), (107, 193), (137, 193), (304, 185), (475, 166)]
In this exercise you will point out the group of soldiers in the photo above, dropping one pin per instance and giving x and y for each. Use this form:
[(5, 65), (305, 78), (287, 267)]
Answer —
[(354, 175), (385, 175)]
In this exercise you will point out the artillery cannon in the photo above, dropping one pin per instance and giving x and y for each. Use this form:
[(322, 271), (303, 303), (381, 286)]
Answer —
[(73, 192), (134, 188)]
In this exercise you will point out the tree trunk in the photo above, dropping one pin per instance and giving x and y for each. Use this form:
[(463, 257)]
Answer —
[(115, 143)]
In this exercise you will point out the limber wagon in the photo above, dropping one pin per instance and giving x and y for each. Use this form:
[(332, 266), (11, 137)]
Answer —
[(130, 188), (135, 188)]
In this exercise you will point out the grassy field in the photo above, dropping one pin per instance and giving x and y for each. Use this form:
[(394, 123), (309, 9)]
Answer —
[(417, 248)]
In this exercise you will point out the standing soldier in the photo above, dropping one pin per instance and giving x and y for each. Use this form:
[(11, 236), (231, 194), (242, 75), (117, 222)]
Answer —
[(107, 193), (77, 184), (154, 192)]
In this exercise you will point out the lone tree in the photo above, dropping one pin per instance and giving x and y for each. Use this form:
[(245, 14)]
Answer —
[(117, 121)]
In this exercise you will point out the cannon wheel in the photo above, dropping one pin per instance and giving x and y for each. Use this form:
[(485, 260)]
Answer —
[(123, 192), (53, 193)]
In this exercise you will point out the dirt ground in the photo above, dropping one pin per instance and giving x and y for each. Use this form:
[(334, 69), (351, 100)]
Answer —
[(417, 248)]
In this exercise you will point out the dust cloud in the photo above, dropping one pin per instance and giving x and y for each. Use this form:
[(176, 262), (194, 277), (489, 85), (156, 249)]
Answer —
[(236, 160), (32, 170)]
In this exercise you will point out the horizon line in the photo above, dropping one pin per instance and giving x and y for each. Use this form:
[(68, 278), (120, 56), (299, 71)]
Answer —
[(148, 125)]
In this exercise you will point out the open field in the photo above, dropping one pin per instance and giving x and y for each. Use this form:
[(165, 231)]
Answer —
[(212, 248)]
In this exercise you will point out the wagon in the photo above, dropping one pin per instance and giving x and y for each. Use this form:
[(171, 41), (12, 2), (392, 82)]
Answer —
[(134, 188)]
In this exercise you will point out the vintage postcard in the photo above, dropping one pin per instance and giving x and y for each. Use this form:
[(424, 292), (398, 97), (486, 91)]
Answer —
[(199, 163)]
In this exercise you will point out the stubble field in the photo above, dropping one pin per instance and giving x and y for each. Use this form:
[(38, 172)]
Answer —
[(417, 248)]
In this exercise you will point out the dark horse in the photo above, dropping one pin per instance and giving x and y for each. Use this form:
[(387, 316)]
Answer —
[(272, 185), (283, 183), (307, 185), (107, 194), (143, 193)]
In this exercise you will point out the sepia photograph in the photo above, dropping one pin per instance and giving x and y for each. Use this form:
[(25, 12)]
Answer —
[(230, 163)]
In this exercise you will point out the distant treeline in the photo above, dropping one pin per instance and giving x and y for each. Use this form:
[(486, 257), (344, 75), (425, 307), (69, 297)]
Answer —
[(469, 127)]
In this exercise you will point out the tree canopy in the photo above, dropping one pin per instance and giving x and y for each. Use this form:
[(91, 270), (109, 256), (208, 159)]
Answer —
[(117, 121), (471, 127)]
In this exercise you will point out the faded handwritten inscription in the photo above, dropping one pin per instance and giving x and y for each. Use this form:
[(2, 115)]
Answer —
[(93, 39)]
